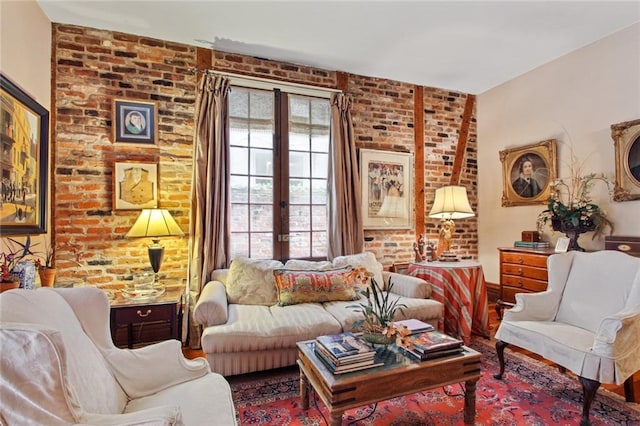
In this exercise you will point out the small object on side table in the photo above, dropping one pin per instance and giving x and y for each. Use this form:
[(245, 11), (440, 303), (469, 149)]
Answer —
[(530, 236)]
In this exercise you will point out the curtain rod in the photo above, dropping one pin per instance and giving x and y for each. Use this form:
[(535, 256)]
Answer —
[(240, 77)]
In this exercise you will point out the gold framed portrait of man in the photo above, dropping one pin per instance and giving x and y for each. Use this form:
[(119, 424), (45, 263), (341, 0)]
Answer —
[(528, 172)]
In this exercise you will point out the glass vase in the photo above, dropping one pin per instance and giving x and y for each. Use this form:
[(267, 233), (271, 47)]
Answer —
[(377, 338)]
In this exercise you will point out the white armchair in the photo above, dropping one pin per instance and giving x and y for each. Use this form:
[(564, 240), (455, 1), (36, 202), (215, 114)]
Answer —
[(58, 366), (587, 321)]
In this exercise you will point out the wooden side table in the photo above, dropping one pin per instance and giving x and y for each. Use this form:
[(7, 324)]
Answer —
[(461, 287), (141, 322)]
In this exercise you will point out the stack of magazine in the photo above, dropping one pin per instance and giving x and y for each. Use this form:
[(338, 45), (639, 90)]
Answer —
[(413, 325), (532, 244), (345, 352), (433, 344)]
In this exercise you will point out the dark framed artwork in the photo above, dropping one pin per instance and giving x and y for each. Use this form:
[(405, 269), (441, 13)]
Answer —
[(528, 172), (387, 184), (135, 185), (24, 162), (135, 122), (626, 138)]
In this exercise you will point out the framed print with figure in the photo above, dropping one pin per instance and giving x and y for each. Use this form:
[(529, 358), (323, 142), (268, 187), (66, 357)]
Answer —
[(562, 245), (24, 157), (387, 184), (527, 173), (134, 122), (135, 186), (626, 138)]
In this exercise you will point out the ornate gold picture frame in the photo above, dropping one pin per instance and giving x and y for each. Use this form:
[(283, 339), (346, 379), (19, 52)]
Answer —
[(527, 173), (626, 139)]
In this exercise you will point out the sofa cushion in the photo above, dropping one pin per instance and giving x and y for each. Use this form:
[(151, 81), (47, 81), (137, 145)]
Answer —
[(198, 401), (251, 282), (33, 369), (427, 310), (366, 260), (311, 286), (265, 328), (301, 264)]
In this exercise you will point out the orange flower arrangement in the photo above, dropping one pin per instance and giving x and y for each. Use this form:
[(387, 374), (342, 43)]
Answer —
[(379, 309)]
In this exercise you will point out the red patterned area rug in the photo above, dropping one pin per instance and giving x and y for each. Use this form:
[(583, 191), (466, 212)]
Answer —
[(531, 393)]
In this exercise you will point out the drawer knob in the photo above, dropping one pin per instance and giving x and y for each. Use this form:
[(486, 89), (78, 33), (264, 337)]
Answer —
[(520, 283), (519, 271), (520, 259), (146, 314)]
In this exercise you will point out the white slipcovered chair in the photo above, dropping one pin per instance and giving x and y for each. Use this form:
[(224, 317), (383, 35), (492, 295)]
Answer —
[(587, 321), (58, 366)]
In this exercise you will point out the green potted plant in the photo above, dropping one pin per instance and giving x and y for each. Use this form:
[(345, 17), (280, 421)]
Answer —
[(570, 209), (46, 269), (378, 311)]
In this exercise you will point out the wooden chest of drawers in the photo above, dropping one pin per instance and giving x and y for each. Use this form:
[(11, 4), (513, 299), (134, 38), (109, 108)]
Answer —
[(521, 271)]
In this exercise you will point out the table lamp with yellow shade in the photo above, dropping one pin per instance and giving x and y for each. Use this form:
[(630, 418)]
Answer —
[(450, 203), (154, 224)]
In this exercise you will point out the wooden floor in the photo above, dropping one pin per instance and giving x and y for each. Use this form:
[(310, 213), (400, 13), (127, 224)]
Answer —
[(494, 322)]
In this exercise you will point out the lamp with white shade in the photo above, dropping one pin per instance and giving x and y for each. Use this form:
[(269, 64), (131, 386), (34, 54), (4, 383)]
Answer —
[(451, 202), (154, 224)]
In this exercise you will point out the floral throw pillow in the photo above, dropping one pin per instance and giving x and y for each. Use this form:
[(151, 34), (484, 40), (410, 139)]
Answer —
[(314, 286), (366, 260)]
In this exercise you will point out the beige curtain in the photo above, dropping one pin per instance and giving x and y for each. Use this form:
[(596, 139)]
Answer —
[(209, 229), (346, 235)]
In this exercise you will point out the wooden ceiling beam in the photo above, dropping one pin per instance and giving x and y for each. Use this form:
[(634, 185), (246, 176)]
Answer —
[(461, 149)]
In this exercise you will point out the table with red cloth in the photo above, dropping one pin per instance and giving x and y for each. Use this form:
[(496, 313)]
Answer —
[(461, 287)]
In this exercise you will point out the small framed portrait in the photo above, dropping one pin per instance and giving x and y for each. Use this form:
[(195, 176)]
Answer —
[(386, 179), (134, 122), (626, 138), (562, 245), (528, 172), (135, 186)]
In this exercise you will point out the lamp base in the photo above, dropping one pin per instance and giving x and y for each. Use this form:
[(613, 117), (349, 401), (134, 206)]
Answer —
[(156, 253), (448, 256)]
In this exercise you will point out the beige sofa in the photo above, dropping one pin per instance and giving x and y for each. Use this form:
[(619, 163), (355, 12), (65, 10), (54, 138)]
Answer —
[(244, 334), (60, 367)]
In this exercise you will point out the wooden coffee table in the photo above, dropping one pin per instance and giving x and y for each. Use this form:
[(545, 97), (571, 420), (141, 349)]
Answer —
[(399, 376)]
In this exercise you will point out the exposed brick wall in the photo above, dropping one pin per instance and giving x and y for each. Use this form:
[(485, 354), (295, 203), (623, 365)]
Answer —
[(92, 67), (443, 111)]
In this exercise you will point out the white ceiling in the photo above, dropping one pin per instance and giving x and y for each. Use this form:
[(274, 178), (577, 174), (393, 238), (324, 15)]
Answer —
[(469, 46)]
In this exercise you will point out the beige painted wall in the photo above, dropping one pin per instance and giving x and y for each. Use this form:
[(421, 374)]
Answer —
[(25, 48), (25, 54), (573, 99)]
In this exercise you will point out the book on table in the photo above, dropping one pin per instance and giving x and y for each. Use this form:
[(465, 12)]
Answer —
[(351, 359), (434, 341), (414, 325), (532, 244), (345, 345), (412, 353), (345, 367)]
